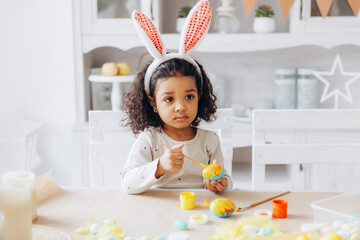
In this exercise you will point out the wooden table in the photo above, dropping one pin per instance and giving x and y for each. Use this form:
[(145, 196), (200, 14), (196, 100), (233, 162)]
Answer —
[(155, 212)]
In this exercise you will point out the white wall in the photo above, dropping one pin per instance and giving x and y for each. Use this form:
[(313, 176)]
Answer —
[(37, 74)]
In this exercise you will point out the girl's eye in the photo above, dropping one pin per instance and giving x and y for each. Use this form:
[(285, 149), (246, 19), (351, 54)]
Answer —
[(169, 99), (189, 97)]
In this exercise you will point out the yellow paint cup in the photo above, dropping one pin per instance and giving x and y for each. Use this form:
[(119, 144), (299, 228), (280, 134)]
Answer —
[(187, 200)]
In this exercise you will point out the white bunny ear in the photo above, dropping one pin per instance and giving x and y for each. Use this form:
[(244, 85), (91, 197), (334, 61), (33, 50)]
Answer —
[(149, 34), (195, 28)]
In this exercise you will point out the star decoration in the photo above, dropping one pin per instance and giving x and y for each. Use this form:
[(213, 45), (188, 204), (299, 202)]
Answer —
[(336, 92)]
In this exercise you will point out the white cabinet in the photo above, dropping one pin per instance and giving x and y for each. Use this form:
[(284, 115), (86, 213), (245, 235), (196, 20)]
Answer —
[(248, 59), (108, 17)]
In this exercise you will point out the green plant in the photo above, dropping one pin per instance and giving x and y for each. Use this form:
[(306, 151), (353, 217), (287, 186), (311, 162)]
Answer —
[(264, 11), (184, 11)]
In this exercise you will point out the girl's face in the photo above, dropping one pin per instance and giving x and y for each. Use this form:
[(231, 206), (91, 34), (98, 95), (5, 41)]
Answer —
[(176, 101)]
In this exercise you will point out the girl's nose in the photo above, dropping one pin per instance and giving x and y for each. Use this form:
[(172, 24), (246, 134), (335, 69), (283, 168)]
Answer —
[(180, 106)]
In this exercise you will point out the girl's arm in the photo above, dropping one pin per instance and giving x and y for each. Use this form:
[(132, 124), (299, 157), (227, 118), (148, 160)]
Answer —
[(138, 173)]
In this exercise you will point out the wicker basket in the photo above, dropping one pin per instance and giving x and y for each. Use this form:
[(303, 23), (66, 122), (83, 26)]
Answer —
[(41, 232)]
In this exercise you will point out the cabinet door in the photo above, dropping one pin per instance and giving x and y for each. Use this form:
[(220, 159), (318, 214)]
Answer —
[(112, 17), (306, 18)]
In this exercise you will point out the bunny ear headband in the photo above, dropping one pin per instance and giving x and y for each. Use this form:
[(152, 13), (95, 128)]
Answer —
[(194, 30)]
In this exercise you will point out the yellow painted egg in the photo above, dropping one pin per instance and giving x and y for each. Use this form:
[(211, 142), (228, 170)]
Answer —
[(222, 207), (331, 236), (303, 237), (213, 172)]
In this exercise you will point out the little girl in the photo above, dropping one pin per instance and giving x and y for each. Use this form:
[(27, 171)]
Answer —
[(165, 104)]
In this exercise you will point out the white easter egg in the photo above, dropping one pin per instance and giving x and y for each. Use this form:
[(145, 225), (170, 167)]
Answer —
[(355, 237), (337, 224), (344, 234), (94, 228), (250, 228)]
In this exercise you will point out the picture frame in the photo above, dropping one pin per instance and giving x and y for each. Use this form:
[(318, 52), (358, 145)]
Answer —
[(305, 17)]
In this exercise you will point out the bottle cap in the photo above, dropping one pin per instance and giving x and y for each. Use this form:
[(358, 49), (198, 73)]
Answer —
[(198, 219), (285, 71), (305, 71)]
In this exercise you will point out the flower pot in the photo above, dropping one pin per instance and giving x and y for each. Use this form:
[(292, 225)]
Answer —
[(264, 25), (179, 24)]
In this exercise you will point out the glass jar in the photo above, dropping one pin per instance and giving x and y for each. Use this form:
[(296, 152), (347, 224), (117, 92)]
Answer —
[(307, 89), (226, 20), (285, 88)]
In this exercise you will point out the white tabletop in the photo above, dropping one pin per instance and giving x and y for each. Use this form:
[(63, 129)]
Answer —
[(155, 212)]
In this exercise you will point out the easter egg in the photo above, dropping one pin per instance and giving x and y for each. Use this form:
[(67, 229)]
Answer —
[(265, 231), (303, 237), (328, 229), (337, 224), (94, 228), (355, 237), (331, 236), (355, 221), (213, 172), (251, 229), (222, 207), (181, 224), (159, 238), (344, 234)]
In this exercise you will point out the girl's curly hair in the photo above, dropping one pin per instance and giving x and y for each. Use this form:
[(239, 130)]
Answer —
[(140, 114)]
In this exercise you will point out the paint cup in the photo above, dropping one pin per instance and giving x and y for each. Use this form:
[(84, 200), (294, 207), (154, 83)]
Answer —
[(263, 213), (187, 200), (279, 208)]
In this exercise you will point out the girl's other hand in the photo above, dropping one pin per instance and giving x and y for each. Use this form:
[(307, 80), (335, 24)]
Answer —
[(172, 160), (216, 186)]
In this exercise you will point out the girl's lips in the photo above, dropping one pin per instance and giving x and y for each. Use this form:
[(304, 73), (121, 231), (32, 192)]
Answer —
[(181, 118)]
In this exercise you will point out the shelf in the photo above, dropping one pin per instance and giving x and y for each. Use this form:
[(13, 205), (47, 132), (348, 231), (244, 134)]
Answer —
[(116, 91), (229, 43), (97, 77)]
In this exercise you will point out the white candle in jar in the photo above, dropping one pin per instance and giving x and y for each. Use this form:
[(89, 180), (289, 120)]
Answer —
[(15, 202), (24, 177), (2, 226)]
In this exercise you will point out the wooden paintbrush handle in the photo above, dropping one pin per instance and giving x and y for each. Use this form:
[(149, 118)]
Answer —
[(269, 198), (186, 156)]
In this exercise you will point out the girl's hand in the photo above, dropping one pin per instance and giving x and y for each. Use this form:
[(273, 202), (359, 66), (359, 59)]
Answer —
[(172, 160), (216, 186)]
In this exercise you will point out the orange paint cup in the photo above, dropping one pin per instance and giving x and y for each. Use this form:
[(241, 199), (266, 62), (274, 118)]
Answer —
[(187, 200), (279, 208)]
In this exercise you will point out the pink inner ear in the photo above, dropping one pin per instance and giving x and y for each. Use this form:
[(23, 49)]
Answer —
[(150, 30), (199, 22)]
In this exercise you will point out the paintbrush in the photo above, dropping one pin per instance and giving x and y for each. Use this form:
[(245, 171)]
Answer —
[(261, 201), (186, 156)]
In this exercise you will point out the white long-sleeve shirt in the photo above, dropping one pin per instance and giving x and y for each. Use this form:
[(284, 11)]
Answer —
[(138, 174)]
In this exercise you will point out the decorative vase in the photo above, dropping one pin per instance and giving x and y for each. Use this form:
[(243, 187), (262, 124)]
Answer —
[(179, 24), (264, 25)]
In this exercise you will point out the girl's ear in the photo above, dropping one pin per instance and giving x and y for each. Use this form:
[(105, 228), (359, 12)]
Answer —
[(200, 94), (152, 103)]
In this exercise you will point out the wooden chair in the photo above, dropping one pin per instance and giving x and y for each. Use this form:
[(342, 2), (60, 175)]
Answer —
[(309, 140), (110, 144)]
